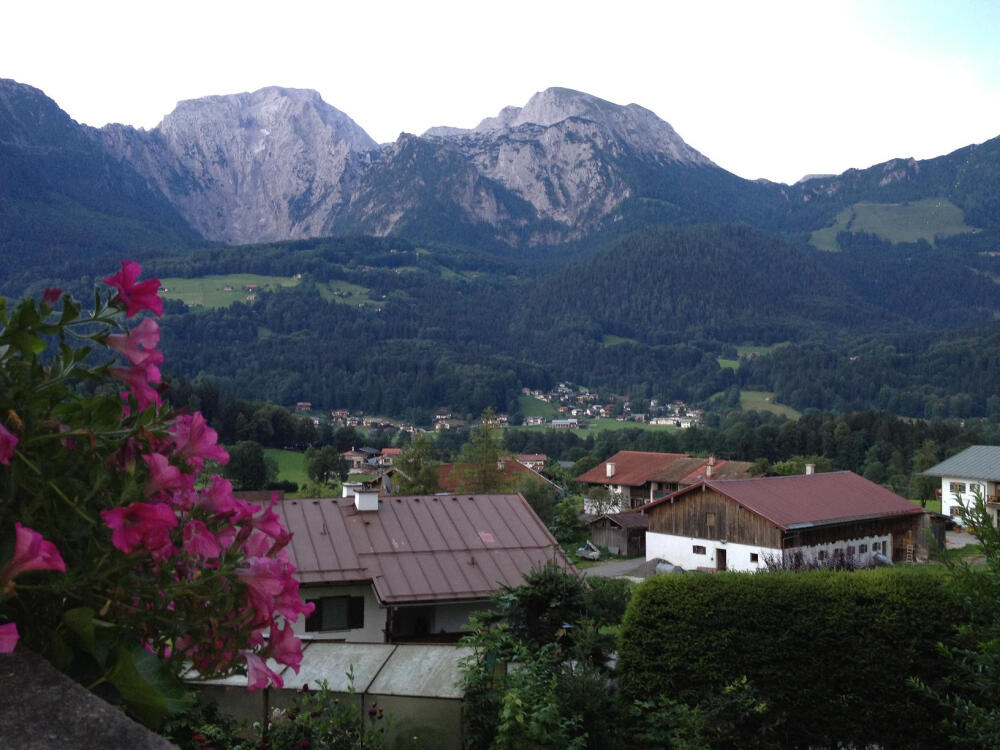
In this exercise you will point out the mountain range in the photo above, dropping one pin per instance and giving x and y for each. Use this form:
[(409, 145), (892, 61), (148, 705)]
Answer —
[(281, 164)]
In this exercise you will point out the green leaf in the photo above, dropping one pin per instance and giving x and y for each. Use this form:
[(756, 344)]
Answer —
[(71, 310), (150, 691), (80, 622), (27, 342)]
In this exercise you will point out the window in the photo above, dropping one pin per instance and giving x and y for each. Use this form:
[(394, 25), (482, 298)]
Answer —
[(336, 613), (850, 550), (862, 549), (957, 487), (822, 554), (753, 557), (698, 549)]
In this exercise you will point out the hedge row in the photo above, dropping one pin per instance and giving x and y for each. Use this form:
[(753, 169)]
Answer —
[(831, 653)]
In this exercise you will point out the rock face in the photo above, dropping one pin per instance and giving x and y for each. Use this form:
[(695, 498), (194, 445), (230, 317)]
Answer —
[(281, 164), (271, 165)]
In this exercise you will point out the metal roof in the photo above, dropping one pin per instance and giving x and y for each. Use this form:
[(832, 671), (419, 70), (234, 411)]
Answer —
[(417, 670), (632, 468), (626, 520), (806, 499), (975, 462), (420, 548)]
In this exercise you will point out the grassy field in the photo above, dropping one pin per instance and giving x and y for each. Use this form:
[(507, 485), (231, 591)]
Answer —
[(734, 364), (598, 425), (345, 294), (764, 401), (609, 340), (535, 407), (210, 291), (291, 465), (895, 222)]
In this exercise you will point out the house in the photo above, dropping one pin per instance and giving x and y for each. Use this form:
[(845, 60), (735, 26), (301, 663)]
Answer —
[(451, 477), (534, 461), (621, 533), (976, 469), (687, 471), (565, 424), (356, 460), (391, 569), (388, 456), (629, 475), (741, 524)]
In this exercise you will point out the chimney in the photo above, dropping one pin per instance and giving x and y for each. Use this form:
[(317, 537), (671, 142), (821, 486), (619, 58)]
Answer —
[(710, 469), (350, 488), (500, 464), (366, 499), (609, 469), (711, 460), (810, 469)]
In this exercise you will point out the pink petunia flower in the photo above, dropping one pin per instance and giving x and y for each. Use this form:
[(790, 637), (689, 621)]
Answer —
[(7, 442), (259, 675), (218, 499), (139, 344), (196, 441), (164, 477), (142, 525), (31, 552), (199, 541), (143, 295), (284, 647), (50, 296), (8, 638), (138, 378)]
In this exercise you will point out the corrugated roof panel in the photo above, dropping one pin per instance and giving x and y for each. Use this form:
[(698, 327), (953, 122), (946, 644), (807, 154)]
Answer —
[(422, 671), (332, 662)]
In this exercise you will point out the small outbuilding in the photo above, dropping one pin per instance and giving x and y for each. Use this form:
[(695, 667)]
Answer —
[(621, 533)]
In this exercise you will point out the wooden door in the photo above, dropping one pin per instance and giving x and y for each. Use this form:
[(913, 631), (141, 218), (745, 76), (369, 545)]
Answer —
[(720, 559)]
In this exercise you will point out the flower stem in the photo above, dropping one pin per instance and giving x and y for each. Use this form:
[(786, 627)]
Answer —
[(76, 508)]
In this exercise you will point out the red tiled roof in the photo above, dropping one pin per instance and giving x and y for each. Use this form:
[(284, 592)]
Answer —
[(391, 451), (449, 475), (532, 457), (632, 468), (807, 499), (420, 548)]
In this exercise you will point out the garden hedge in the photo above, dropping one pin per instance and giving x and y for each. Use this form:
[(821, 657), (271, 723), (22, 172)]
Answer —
[(831, 653)]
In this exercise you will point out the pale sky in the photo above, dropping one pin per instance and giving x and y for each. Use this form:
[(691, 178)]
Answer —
[(764, 89)]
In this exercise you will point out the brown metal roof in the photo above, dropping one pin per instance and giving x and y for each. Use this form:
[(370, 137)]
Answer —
[(420, 548), (806, 499), (626, 520), (632, 468)]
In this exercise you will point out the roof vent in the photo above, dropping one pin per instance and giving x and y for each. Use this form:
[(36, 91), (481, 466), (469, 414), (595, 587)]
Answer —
[(609, 469), (366, 499)]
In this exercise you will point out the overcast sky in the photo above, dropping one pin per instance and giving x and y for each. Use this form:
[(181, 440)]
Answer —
[(764, 89)]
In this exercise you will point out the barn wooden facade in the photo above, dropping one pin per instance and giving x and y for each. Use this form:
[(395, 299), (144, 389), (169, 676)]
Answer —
[(741, 524), (622, 533)]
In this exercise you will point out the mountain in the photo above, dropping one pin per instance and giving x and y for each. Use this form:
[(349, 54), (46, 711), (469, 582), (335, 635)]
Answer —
[(63, 196), (273, 164)]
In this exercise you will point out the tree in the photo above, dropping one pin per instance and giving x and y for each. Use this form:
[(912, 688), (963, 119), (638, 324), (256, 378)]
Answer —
[(248, 467), (417, 474), (481, 458), (326, 464)]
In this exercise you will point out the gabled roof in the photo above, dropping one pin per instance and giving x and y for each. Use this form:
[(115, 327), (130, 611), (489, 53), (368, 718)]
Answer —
[(691, 470), (975, 462), (419, 548), (625, 520), (450, 475), (807, 499), (632, 468)]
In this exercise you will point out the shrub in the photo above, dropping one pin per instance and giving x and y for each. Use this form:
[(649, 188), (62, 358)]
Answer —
[(830, 654)]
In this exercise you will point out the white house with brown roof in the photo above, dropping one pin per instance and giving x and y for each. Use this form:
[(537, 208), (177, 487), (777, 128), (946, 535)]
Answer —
[(398, 568), (976, 469), (739, 524), (628, 475)]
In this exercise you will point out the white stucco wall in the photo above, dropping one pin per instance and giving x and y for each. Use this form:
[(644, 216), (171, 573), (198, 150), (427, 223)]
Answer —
[(949, 501), (679, 550)]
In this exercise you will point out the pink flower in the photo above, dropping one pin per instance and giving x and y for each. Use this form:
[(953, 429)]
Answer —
[(218, 498), (284, 647), (269, 522), (163, 477), (50, 296), (258, 674), (145, 335), (142, 525), (31, 552), (8, 638), (138, 378), (136, 296), (199, 541), (7, 442), (196, 441)]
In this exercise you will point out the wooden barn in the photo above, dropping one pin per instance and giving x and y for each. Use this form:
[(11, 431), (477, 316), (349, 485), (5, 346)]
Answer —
[(741, 524), (620, 533)]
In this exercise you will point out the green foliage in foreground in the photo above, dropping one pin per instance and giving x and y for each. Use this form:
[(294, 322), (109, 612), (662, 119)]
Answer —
[(831, 654)]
